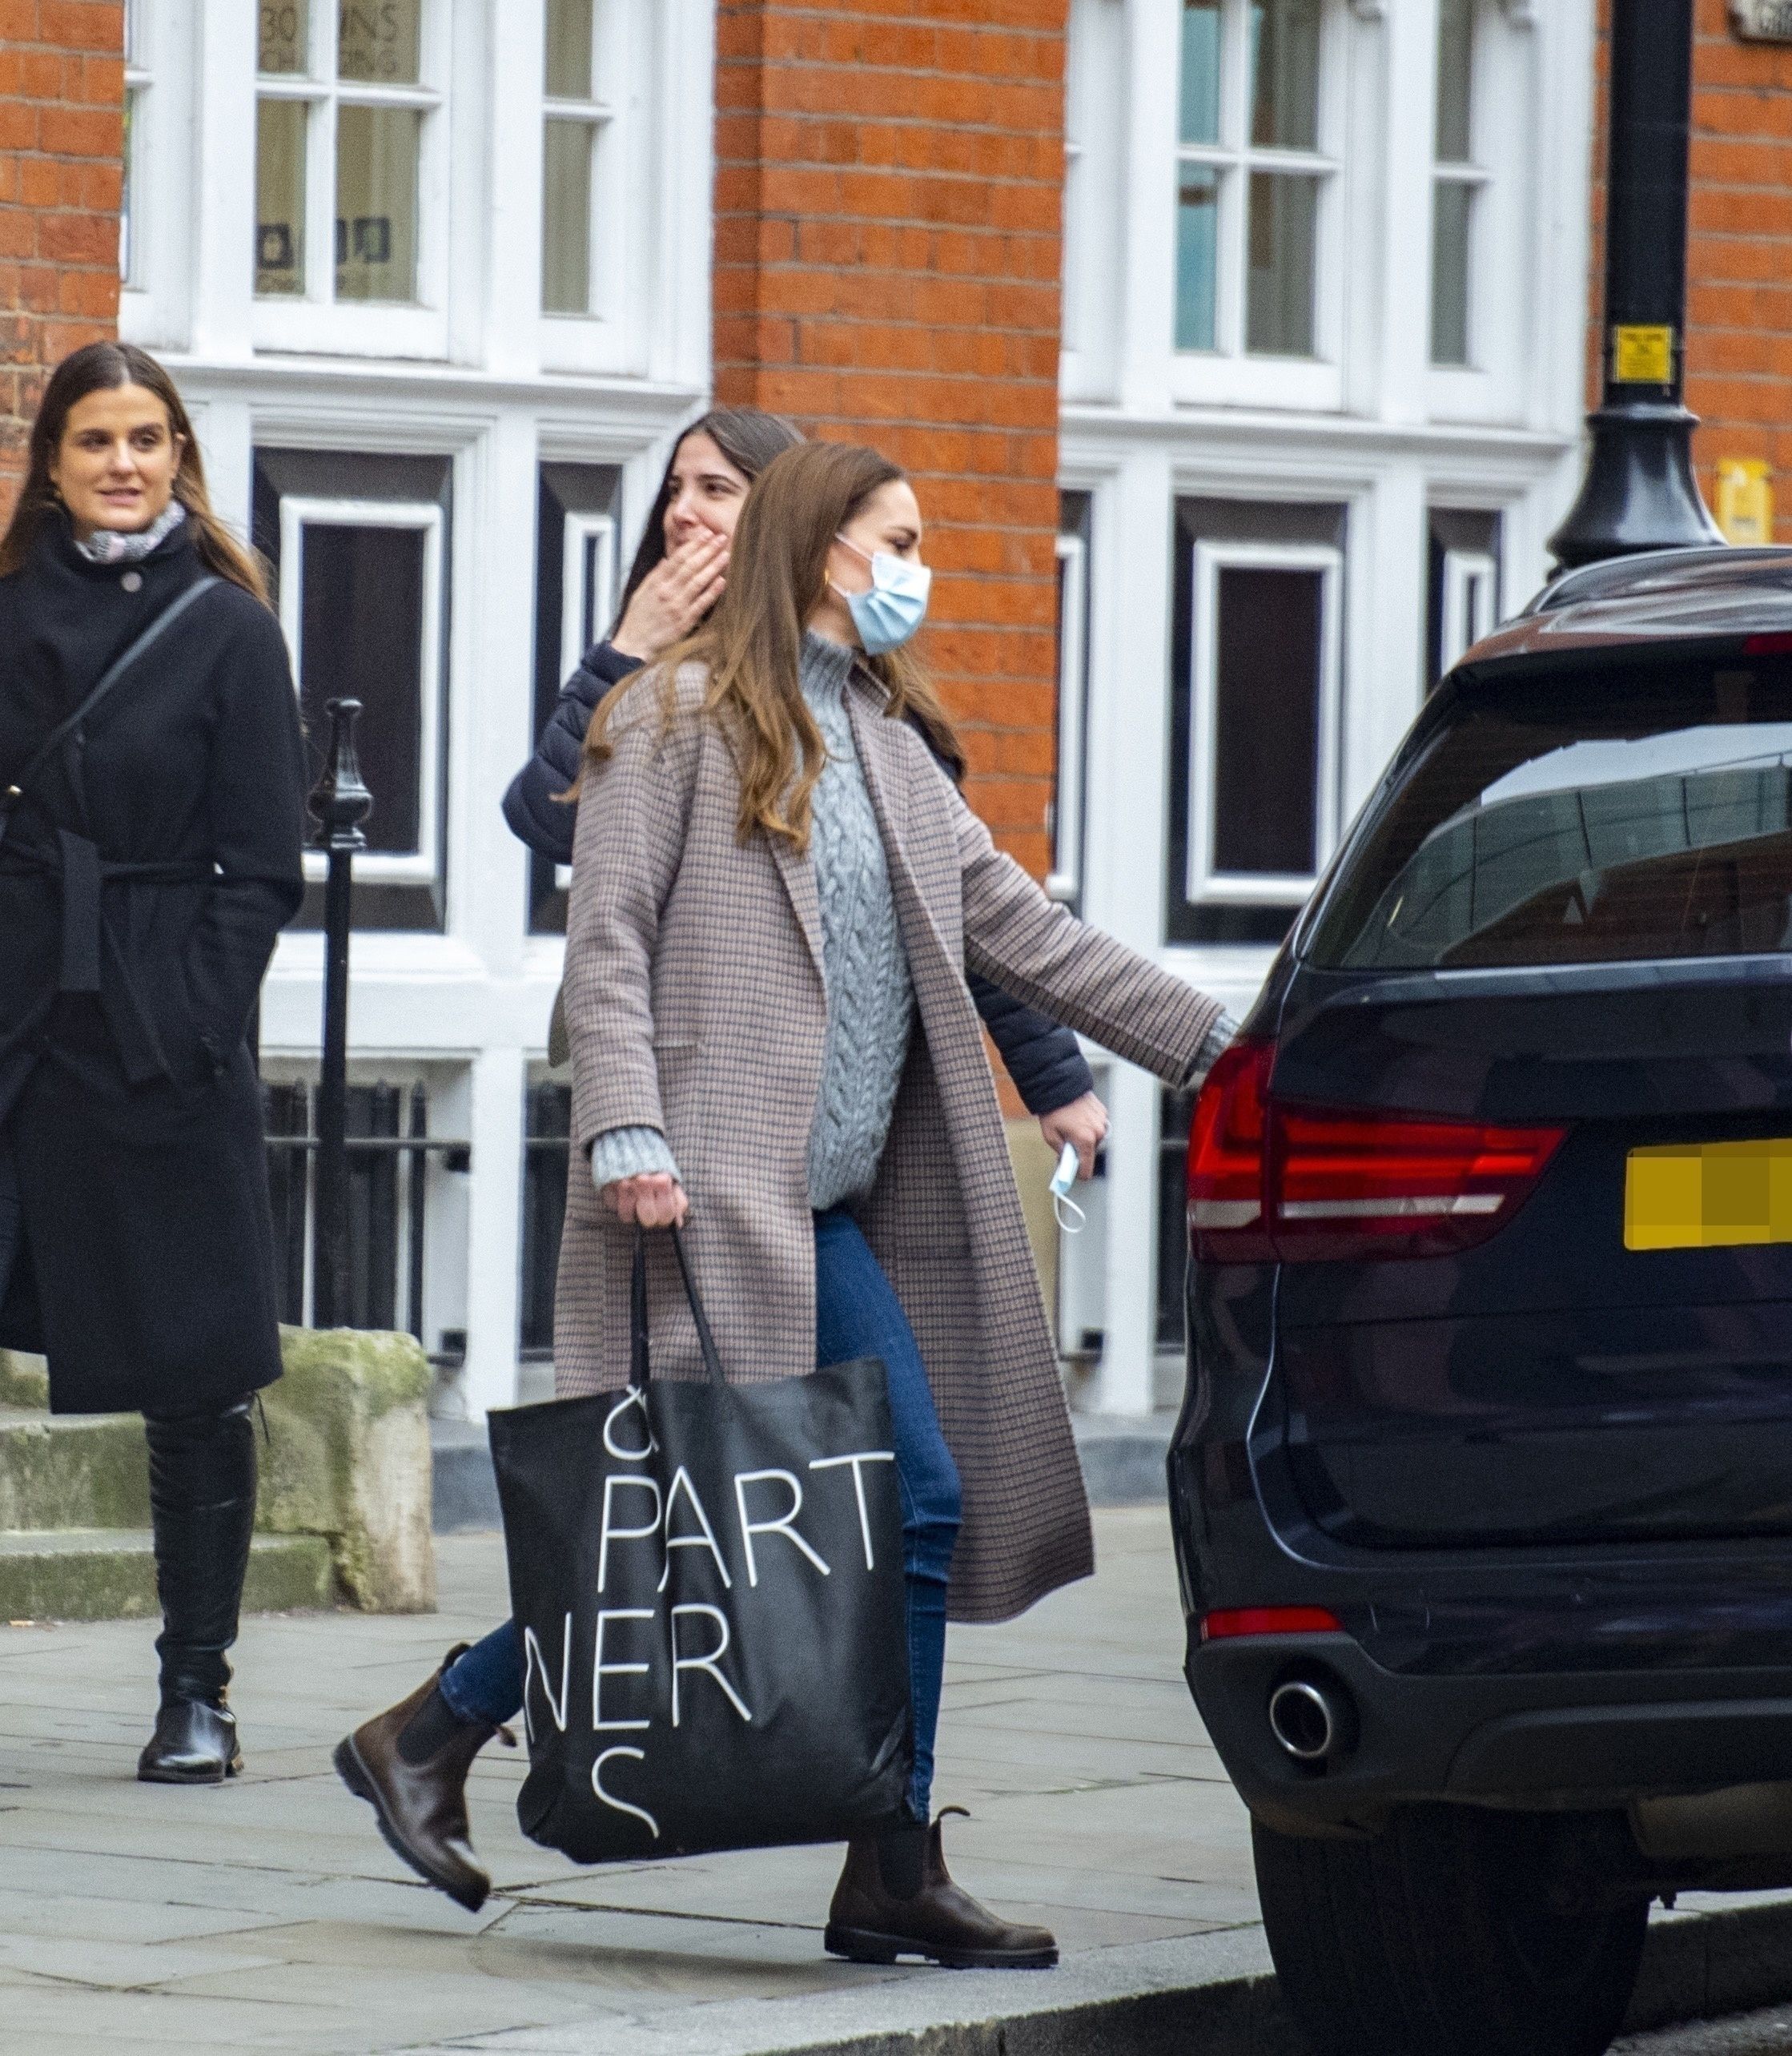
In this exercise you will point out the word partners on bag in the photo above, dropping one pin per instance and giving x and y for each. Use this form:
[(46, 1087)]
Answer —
[(676, 1647), (707, 1576)]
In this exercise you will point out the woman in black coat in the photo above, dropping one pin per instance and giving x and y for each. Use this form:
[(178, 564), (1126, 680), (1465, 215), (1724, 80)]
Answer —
[(149, 856)]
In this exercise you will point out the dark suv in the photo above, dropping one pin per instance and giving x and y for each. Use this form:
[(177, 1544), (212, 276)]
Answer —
[(1482, 1487)]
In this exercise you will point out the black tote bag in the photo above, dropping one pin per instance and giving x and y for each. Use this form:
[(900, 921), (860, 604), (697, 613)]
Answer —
[(708, 1582)]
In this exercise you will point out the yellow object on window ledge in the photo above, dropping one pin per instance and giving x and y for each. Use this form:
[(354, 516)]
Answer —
[(1746, 499)]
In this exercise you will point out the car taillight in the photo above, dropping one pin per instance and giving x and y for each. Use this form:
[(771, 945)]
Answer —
[(1364, 1184), (1307, 1183), (1226, 1144)]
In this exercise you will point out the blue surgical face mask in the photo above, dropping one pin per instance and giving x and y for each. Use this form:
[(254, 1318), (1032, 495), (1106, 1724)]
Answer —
[(897, 604)]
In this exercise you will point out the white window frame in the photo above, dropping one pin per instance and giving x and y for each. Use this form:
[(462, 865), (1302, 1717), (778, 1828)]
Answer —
[(1472, 175), (595, 113), (138, 80), (1071, 270), (579, 602), (1229, 373), (297, 513), (1505, 132), (1065, 883), (1095, 206), (317, 320), (627, 69), (1463, 624), (1204, 885), (159, 70)]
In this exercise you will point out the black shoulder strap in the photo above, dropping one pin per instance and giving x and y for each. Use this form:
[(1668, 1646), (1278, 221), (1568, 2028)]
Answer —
[(108, 678)]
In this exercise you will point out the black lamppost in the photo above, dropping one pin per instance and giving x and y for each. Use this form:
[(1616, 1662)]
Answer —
[(1639, 492), (341, 803)]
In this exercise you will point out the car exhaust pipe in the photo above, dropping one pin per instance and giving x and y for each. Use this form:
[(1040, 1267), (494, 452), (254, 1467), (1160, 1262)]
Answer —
[(1311, 1720)]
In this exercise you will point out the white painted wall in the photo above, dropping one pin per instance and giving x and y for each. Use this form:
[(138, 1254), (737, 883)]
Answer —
[(485, 379), (1374, 427), (480, 375)]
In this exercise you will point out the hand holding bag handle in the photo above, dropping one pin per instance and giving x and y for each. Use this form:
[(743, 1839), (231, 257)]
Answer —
[(642, 1372)]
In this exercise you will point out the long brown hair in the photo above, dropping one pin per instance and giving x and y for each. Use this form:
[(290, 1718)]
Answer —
[(748, 440), (752, 644), (102, 367)]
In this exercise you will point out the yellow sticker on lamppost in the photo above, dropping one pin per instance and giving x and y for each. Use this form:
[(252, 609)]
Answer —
[(1642, 355)]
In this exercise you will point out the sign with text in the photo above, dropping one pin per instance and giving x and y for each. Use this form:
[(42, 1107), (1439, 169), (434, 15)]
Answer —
[(1642, 355)]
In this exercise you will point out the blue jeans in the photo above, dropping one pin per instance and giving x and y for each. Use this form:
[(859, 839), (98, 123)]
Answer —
[(856, 1314)]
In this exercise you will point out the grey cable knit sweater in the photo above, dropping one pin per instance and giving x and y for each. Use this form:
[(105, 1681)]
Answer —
[(870, 998)]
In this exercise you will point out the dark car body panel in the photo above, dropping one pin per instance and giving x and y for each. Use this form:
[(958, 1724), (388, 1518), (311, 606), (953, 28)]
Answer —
[(1545, 1484)]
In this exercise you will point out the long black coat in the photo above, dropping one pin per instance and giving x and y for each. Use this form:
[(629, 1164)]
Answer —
[(131, 1113), (1044, 1059)]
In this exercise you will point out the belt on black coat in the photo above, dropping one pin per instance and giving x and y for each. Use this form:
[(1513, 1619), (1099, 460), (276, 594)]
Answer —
[(85, 874)]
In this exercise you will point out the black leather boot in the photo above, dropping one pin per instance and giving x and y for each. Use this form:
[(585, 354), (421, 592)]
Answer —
[(896, 1897), (202, 1471), (410, 1765)]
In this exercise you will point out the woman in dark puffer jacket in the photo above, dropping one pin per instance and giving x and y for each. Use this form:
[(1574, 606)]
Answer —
[(676, 577)]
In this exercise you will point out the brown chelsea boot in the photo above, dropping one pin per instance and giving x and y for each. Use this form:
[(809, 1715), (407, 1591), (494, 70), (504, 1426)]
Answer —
[(896, 1897), (410, 1765)]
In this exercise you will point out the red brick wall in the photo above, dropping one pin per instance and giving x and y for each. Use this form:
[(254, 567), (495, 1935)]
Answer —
[(1739, 252), (62, 150), (889, 184)]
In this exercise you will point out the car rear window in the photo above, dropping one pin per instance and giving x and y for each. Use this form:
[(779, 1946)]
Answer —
[(1622, 816)]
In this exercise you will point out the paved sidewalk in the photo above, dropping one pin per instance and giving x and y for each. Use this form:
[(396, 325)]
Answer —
[(269, 1915)]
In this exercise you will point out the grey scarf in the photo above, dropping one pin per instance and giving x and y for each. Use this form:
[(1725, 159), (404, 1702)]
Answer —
[(120, 546)]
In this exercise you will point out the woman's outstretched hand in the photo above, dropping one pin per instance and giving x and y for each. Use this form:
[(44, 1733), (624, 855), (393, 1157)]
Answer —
[(1084, 1122), (655, 1199), (673, 596)]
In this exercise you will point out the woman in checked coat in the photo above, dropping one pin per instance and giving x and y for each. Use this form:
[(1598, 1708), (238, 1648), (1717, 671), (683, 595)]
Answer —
[(776, 896)]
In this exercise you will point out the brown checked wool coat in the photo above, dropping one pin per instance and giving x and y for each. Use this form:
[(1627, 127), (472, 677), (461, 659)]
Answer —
[(695, 1005)]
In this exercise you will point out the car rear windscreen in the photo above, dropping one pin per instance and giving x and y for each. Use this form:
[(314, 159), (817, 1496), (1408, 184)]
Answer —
[(1622, 816)]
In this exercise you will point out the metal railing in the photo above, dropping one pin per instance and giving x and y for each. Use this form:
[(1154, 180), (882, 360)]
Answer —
[(385, 1150), (547, 1132), (341, 803), (337, 1161)]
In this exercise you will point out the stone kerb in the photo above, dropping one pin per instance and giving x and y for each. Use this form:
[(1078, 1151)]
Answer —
[(349, 1458), (23, 1380)]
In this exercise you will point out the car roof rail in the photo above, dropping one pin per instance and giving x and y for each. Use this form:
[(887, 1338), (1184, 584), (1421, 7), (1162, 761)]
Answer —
[(1650, 570)]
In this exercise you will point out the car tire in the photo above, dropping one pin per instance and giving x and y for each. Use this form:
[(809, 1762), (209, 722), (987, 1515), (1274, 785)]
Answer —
[(1439, 1937)]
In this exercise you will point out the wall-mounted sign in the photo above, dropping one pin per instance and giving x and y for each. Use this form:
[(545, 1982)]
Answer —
[(1762, 21), (1745, 499)]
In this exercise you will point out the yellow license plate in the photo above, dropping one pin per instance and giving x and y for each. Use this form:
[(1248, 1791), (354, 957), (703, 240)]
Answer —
[(1708, 1195)]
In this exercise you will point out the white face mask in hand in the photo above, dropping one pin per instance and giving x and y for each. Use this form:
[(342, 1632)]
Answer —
[(1070, 1216)]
